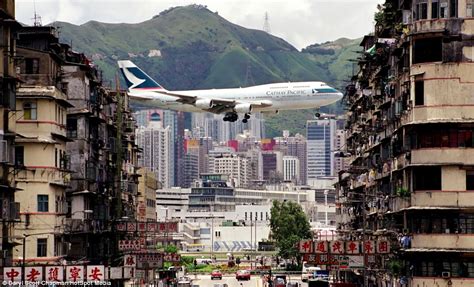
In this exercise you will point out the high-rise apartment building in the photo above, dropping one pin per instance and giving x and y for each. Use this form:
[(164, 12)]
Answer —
[(320, 148), (155, 140), (294, 146), (291, 168), (410, 133)]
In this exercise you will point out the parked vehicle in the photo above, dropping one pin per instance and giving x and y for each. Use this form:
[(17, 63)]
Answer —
[(216, 274), (242, 275)]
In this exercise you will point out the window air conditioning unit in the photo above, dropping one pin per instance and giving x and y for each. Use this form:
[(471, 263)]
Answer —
[(446, 274)]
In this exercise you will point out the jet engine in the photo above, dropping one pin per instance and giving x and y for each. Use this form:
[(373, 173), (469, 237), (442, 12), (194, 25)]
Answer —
[(243, 108), (204, 104)]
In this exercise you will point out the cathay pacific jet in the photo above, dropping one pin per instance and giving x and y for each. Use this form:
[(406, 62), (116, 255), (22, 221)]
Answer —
[(230, 102)]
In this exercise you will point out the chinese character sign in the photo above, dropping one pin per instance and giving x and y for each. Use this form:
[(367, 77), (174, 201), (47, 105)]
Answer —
[(306, 246), (130, 260), (352, 247), (383, 247), (95, 273), (369, 247), (74, 273), (33, 274), (337, 247), (321, 247), (11, 274), (54, 273)]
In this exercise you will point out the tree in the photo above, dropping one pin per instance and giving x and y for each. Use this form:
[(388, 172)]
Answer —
[(289, 225)]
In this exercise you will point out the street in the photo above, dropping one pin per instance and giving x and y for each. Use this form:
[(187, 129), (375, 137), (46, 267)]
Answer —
[(255, 281)]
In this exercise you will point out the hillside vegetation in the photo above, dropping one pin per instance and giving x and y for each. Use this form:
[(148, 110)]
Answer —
[(191, 47)]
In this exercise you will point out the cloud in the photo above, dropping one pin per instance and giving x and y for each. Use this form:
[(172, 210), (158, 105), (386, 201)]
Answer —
[(300, 22)]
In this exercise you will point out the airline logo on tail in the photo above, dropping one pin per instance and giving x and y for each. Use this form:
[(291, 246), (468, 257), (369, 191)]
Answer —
[(137, 79)]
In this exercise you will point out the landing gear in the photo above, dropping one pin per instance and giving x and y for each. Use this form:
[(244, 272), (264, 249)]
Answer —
[(246, 118), (231, 117), (317, 114)]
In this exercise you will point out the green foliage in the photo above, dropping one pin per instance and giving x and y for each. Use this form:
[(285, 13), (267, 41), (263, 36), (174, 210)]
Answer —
[(200, 49), (168, 248), (403, 192), (395, 267), (289, 225)]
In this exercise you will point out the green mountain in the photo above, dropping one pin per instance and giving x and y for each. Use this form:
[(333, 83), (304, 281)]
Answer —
[(191, 47)]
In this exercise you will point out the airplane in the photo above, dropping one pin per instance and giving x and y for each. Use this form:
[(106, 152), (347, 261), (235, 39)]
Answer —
[(232, 101)]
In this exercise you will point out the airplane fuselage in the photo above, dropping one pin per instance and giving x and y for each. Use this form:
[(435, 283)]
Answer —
[(280, 96)]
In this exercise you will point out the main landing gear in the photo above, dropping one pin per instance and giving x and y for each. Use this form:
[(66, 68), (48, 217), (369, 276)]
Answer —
[(246, 118), (317, 114), (232, 117)]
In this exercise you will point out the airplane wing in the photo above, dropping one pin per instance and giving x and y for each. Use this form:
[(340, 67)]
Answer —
[(219, 105)]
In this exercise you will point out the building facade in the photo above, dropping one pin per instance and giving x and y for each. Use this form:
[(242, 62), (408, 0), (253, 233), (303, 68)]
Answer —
[(291, 168), (320, 148), (9, 210), (409, 128)]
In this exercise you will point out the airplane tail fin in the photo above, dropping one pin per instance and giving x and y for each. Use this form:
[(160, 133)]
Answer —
[(137, 79)]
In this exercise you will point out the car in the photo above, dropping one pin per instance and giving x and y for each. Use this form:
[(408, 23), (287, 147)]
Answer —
[(216, 274), (242, 275), (279, 282)]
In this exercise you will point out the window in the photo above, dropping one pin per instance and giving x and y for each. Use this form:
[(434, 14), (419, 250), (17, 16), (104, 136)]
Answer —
[(443, 9), (41, 247), (427, 178), (56, 157), (422, 11), (453, 8), (469, 179), (469, 8), (427, 50), (419, 93), (435, 9), (19, 155), (43, 203), (32, 66), (29, 111)]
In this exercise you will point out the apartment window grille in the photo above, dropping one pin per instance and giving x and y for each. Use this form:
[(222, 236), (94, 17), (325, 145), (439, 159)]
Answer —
[(29, 111), (427, 178), (41, 247), (32, 66), (469, 179), (43, 203), (19, 155), (428, 50), (469, 12), (434, 9), (419, 93), (453, 8)]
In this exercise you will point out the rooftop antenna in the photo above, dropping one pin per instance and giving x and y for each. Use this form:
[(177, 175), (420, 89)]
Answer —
[(266, 24), (36, 18)]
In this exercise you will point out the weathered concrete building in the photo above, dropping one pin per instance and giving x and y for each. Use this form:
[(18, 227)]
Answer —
[(40, 150), (410, 125), (8, 79)]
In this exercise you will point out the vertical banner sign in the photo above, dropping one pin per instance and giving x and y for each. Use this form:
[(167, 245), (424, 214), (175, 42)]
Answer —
[(337, 247), (130, 261), (12, 274), (321, 247), (306, 246), (34, 274), (353, 247), (74, 273), (54, 273), (95, 273), (383, 247)]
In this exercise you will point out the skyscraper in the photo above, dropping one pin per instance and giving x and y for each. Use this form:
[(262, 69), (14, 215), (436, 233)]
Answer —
[(320, 146), (155, 140)]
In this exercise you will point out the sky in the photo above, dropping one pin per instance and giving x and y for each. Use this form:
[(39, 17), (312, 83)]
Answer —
[(300, 22)]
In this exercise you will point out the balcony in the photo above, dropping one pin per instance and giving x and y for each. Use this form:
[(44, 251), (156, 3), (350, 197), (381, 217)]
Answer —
[(443, 156), (437, 198), (443, 241), (51, 175)]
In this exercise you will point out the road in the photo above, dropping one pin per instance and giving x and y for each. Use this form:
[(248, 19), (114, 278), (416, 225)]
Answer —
[(255, 281)]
